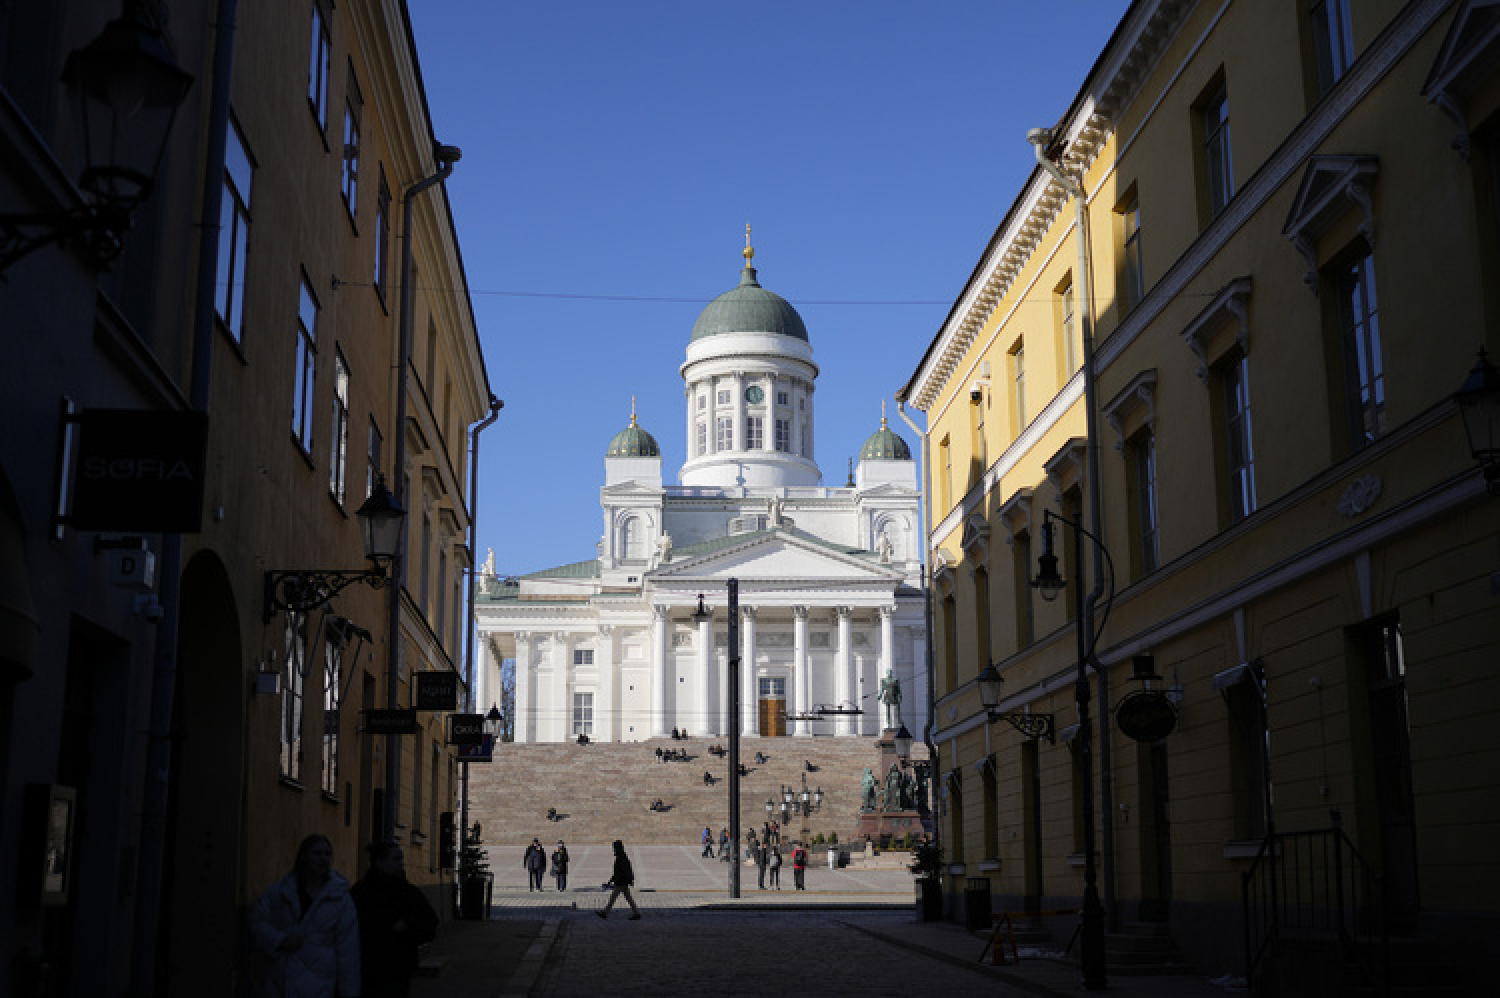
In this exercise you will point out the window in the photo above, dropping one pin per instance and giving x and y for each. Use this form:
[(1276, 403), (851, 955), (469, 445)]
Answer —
[(950, 642), (945, 484), (583, 714), (1332, 43), (352, 104), (702, 438), (583, 656), (234, 235), (306, 367), (783, 435), (1239, 455), (1067, 324), (702, 402), (755, 437), (424, 581), (293, 669), (991, 796), (722, 398), (1018, 383), (382, 234), (338, 457), (982, 615), (317, 67), (441, 616), (724, 433), (1244, 692), (1218, 168), (1142, 456), (333, 669), (956, 813), (1359, 342), (373, 445), (1132, 276), (1021, 584), (782, 398)]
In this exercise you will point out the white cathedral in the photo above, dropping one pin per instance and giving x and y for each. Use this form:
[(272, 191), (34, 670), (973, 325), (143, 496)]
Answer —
[(830, 585)]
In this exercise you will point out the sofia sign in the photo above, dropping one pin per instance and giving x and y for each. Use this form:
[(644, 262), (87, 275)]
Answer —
[(1146, 716)]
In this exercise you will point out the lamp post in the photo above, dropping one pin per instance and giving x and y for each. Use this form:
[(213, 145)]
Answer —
[(128, 87), (1478, 401), (1049, 583), (1029, 724), (302, 589)]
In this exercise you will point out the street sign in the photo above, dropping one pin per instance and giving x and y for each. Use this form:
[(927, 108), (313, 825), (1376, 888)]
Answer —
[(139, 470), (384, 721), (437, 690)]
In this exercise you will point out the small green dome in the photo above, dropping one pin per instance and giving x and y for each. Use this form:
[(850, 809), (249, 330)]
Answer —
[(749, 308), (633, 441), (885, 445)]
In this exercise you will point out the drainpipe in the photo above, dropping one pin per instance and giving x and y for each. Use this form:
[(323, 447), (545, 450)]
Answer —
[(446, 156), (932, 755), (156, 792), (471, 625), (1041, 139)]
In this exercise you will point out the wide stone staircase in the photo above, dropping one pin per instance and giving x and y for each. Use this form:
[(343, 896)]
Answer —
[(604, 791)]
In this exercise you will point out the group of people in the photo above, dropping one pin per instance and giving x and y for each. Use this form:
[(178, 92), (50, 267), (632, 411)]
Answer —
[(678, 736), (671, 755), (534, 859), (314, 935)]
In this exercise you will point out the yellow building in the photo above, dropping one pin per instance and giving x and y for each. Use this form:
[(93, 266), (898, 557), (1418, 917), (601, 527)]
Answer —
[(1296, 539), (176, 718)]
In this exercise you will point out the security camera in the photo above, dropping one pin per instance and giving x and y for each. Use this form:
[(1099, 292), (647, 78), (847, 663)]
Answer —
[(448, 154), (976, 390), (1039, 137)]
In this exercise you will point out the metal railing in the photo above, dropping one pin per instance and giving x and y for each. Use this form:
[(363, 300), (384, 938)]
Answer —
[(1315, 885)]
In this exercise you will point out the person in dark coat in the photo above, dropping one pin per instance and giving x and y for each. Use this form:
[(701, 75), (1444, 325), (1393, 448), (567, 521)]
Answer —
[(560, 865), (762, 858), (799, 865), (535, 861), (621, 882), (395, 919)]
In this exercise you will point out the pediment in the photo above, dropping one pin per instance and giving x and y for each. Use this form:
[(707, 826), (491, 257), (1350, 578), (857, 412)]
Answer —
[(630, 490), (773, 555)]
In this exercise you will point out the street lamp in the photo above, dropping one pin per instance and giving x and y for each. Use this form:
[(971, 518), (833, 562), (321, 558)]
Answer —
[(1478, 401), (129, 88), (1029, 724), (301, 590), (1049, 583)]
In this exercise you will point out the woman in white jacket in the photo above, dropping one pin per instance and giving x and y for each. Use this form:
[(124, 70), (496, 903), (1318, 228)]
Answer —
[(306, 930)]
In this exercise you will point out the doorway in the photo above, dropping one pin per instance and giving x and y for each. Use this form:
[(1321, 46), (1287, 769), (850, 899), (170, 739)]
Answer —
[(771, 704)]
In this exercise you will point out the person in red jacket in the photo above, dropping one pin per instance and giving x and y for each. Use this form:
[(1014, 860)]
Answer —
[(799, 866)]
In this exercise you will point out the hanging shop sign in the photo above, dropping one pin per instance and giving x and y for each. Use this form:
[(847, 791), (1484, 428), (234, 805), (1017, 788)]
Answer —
[(138, 470), (1146, 716), (387, 721), (437, 690), (466, 729)]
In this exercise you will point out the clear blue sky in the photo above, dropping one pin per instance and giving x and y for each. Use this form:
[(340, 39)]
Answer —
[(614, 151)]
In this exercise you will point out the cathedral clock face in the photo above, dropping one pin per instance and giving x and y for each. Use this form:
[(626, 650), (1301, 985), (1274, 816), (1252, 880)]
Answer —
[(753, 394)]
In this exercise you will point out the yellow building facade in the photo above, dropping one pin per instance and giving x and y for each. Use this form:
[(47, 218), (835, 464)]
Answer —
[(1290, 248)]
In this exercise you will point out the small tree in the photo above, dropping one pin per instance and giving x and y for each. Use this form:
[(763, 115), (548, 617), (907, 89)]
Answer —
[(927, 860)]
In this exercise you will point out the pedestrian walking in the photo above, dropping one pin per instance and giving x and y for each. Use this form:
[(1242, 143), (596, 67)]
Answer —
[(708, 843), (760, 866), (395, 919), (723, 841), (775, 867), (560, 865), (799, 866), (535, 861), (621, 882), (305, 930)]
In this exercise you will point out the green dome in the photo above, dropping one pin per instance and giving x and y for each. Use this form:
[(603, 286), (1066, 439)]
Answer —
[(749, 308), (884, 445), (633, 442)]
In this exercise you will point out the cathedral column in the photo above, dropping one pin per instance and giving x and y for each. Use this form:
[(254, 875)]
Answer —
[(800, 665), (747, 671), (703, 723), (604, 699), (520, 711), (737, 403), (660, 619), (562, 648), (843, 669), (888, 648), (484, 658)]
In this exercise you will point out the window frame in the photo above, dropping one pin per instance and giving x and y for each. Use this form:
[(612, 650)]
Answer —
[(1357, 330), (1132, 263), (353, 107), (319, 66), (305, 374), (338, 431), (1215, 149), (234, 234)]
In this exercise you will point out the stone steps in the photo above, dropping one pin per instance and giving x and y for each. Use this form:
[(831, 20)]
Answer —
[(604, 791)]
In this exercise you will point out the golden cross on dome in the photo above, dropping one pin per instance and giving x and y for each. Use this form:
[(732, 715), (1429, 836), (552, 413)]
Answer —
[(632, 410), (749, 251)]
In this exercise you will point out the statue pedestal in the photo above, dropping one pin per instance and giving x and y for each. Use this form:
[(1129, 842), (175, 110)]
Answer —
[(897, 809)]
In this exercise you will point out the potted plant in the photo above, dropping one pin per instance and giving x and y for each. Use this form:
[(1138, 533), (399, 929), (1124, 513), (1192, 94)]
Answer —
[(474, 877), (927, 867)]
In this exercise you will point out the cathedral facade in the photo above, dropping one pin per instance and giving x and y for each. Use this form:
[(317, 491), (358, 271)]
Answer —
[(634, 644)]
